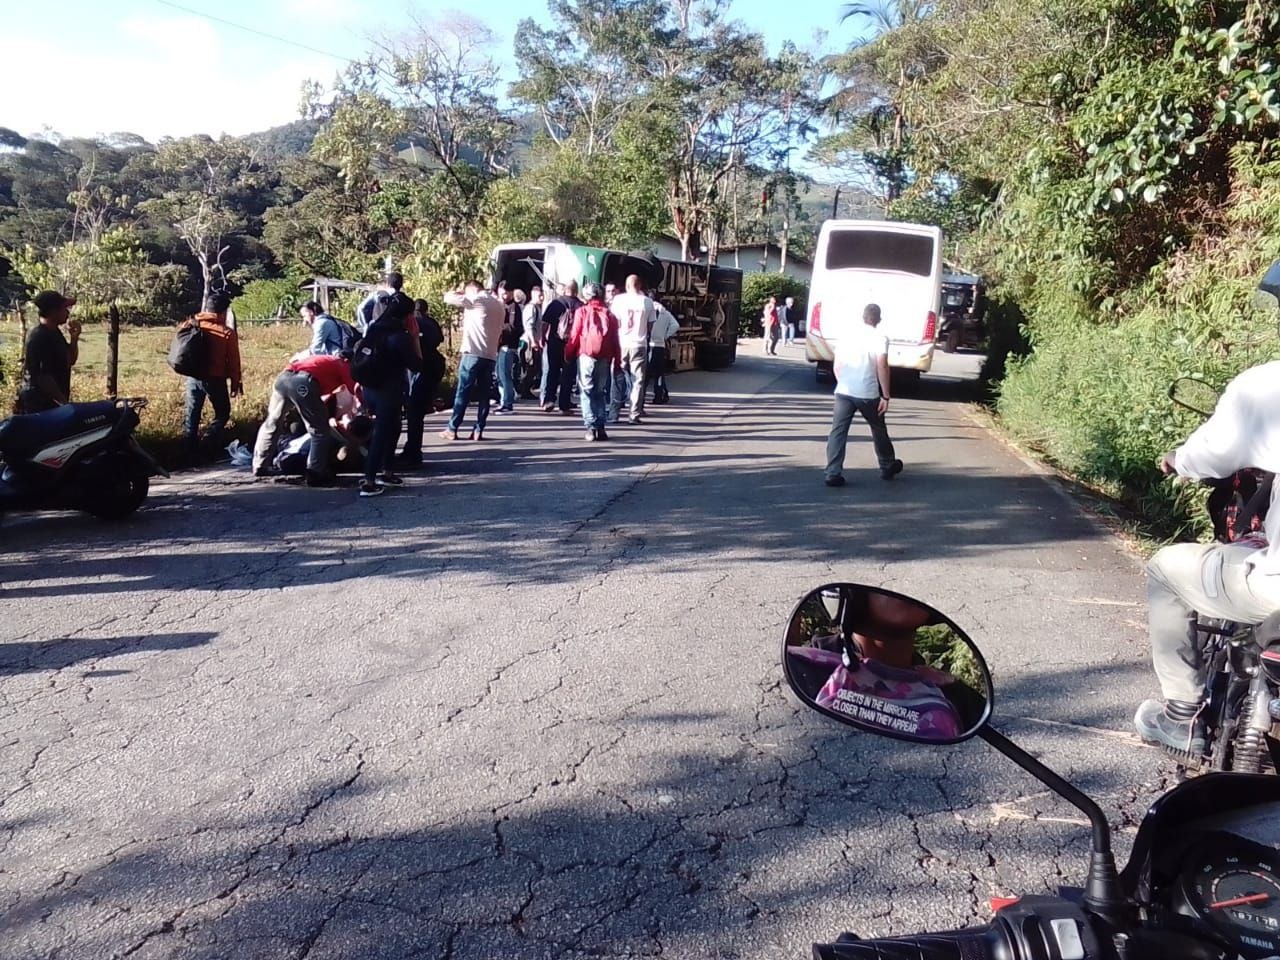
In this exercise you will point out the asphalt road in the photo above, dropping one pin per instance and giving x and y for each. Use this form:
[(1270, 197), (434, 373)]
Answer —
[(530, 705)]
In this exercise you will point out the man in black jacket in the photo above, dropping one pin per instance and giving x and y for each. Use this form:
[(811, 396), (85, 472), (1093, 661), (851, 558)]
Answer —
[(388, 334), (422, 385), (558, 376)]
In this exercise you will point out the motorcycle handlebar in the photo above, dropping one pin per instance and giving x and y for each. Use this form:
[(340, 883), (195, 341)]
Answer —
[(977, 943)]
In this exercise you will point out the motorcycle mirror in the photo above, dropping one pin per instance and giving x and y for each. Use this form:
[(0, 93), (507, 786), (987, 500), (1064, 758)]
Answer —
[(1194, 395), (1267, 296), (887, 664)]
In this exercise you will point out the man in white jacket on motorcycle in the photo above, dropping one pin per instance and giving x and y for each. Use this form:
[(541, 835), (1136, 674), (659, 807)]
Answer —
[(1232, 581)]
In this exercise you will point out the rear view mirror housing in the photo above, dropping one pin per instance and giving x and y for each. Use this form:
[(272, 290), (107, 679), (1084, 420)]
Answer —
[(886, 664), (1267, 296)]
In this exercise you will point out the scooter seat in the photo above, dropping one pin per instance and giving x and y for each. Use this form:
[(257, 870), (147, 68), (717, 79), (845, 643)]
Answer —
[(23, 435)]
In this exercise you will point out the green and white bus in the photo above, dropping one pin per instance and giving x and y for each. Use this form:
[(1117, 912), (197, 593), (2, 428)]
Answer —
[(705, 298)]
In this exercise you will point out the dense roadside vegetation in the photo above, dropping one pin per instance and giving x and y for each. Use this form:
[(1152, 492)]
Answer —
[(1112, 167)]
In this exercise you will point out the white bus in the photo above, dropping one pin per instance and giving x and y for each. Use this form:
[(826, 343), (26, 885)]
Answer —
[(895, 265)]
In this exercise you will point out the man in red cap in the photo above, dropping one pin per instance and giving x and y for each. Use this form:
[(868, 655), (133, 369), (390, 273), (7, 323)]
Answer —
[(46, 370)]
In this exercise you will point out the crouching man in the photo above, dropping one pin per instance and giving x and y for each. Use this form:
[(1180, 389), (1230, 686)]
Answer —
[(305, 385)]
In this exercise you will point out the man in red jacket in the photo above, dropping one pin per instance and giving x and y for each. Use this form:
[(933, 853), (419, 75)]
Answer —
[(305, 385), (593, 339)]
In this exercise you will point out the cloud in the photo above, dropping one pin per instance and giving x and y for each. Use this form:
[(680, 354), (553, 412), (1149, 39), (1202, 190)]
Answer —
[(162, 76)]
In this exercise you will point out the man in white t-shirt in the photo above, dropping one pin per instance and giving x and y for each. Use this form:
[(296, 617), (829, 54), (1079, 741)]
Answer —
[(635, 314), (862, 386)]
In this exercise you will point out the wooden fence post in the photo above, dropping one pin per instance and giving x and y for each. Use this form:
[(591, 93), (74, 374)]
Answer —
[(113, 350)]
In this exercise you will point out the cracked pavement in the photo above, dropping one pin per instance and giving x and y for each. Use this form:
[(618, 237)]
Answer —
[(530, 705)]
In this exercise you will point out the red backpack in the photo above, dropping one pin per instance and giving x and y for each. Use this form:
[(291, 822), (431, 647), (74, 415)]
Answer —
[(595, 330)]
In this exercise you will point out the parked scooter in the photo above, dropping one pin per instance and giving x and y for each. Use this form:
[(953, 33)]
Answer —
[(79, 456), (1203, 880)]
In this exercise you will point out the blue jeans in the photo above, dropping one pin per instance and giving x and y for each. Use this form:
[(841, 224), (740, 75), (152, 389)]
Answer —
[(507, 377), (386, 402), (475, 374), (788, 333), (219, 398), (594, 379)]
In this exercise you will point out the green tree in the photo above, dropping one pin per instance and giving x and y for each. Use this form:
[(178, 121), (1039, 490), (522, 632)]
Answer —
[(579, 72), (206, 191), (712, 98)]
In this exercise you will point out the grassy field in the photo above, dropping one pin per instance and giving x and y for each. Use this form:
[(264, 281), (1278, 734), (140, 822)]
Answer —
[(264, 350)]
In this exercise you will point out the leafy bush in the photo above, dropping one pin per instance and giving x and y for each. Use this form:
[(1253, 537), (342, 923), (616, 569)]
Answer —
[(759, 287), (265, 299), (1093, 396)]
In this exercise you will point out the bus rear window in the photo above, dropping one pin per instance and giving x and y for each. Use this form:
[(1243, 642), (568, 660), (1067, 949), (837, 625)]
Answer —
[(880, 250)]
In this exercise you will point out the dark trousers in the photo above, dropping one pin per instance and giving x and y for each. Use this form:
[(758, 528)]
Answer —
[(475, 379), (419, 401), (557, 376), (219, 398), (300, 392), (842, 417), (657, 374), (386, 402), (529, 372)]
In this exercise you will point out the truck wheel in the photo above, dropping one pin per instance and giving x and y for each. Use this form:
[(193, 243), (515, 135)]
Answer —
[(952, 343)]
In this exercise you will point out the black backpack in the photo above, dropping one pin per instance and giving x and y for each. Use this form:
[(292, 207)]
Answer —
[(372, 359), (189, 350)]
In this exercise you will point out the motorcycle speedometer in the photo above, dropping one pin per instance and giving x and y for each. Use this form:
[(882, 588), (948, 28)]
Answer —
[(1233, 885)]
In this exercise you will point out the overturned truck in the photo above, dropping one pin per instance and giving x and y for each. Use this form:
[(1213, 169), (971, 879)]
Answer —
[(705, 298)]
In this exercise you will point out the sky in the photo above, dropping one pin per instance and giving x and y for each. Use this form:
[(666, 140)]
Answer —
[(155, 68)]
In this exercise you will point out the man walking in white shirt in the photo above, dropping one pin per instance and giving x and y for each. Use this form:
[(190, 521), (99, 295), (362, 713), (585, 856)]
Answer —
[(635, 315), (862, 386)]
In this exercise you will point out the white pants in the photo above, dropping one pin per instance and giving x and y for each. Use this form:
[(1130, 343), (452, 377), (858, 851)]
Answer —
[(1212, 580)]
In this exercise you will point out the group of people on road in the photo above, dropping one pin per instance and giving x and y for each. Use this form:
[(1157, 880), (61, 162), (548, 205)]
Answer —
[(351, 388), (614, 350), (354, 383)]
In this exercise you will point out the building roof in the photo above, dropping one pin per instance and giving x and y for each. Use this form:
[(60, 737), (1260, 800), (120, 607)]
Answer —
[(332, 284), (771, 247)]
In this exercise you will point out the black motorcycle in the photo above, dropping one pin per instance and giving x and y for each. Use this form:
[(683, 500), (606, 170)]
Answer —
[(1203, 879), (79, 456)]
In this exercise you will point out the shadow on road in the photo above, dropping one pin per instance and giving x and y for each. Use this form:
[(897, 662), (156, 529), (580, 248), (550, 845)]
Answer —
[(33, 656)]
